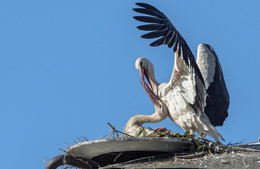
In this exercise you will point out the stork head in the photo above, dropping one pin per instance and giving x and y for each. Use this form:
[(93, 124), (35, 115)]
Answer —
[(142, 63), (146, 70)]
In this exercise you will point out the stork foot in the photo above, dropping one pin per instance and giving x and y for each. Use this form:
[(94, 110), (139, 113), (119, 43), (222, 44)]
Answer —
[(161, 129)]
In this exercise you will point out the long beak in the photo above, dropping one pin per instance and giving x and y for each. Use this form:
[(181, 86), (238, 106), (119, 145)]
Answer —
[(148, 79), (148, 89)]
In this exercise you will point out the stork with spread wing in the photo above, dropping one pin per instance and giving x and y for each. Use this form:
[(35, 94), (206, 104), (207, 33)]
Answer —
[(196, 97)]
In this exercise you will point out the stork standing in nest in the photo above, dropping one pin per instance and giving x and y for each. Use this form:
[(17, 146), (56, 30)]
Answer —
[(196, 97)]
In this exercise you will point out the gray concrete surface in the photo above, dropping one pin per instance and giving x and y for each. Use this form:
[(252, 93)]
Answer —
[(235, 160)]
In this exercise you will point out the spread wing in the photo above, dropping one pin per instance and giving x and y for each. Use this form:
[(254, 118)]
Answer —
[(186, 73), (217, 102)]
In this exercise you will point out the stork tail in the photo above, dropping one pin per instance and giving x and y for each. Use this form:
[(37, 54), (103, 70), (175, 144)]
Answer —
[(212, 132)]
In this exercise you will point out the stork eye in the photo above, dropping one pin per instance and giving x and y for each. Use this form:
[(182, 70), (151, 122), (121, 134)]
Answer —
[(141, 64), (160, 106)]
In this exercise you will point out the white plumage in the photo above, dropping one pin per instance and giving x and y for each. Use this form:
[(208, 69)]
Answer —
[(206, 63)]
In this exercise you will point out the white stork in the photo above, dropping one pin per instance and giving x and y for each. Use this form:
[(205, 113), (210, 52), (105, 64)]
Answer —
[(196, 96)]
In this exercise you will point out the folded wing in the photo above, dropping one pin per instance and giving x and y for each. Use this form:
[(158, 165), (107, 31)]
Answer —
[(217, 101)]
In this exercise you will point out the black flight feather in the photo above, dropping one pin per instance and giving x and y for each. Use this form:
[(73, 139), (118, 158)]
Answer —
[(148, 12), (151, 27), (155, 34), (148, 19), (147, 6)]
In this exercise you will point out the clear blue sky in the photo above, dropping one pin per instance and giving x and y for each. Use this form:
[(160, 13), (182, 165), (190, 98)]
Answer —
[(67, 68)]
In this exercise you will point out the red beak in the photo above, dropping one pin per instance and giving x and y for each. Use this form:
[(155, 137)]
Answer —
[(147, 88)]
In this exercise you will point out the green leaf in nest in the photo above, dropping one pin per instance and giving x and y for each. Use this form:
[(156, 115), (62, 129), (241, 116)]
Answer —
[(186, 134), (178, 135), (141, 133), (200, 147)]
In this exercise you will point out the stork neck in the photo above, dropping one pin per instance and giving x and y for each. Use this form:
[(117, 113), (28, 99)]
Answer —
[(157, 116), (135, 123), (141, 119)]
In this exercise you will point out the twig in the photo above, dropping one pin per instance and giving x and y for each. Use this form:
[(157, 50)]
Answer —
[(135, 160), (87, 162), (62, 150), (243, 149), (85, 138), (190, 156), (124, 133), (118, 156), (82, 140), (107, 134), (234, 144), (116, 131), (44, 160)]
